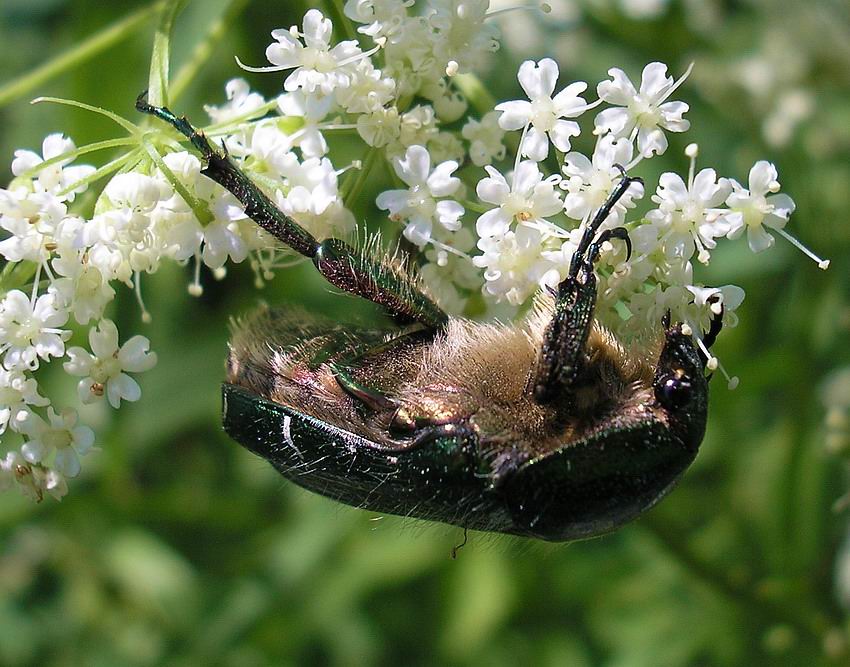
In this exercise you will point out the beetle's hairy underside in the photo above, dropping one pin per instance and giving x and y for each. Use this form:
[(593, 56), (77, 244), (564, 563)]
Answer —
[(547, 428)]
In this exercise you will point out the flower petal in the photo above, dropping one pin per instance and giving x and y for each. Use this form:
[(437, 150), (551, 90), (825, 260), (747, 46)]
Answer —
[(441, 183), (134, 355), (562, 132), (515, 114), (535, 146)]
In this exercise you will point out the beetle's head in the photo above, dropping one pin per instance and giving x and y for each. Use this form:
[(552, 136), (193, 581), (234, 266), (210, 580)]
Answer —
[(631, 459), (681, 388)]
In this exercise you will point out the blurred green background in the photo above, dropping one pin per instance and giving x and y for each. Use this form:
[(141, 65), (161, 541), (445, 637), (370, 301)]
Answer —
[(176, 547)]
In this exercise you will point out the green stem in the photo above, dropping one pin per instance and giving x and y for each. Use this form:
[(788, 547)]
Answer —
[(123, 122), (204, 48), (161, 56), (80, 53), (105, 170), (199, 208), (475, 92), (77, 152), (343, 20), (229, 125)]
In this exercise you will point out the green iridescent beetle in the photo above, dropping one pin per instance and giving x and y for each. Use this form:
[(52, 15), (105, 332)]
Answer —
[(549, 428)]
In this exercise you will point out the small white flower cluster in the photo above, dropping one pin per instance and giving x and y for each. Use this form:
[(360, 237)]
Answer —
[(67, 260), (400, 98)]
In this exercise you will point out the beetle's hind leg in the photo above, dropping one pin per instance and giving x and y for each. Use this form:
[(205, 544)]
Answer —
[(355, 271), (564, 340)]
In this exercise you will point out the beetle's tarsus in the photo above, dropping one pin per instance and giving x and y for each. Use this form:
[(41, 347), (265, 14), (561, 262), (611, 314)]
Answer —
[(616, 233)]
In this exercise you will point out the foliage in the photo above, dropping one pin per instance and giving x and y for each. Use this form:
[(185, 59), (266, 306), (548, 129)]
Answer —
[(178, 547)]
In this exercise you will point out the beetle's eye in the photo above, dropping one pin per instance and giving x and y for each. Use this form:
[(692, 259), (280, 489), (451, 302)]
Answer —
[(674, 391)]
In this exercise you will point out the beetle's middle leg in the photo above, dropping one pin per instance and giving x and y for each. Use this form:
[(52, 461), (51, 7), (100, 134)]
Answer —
[(349, 269), (566, 335)]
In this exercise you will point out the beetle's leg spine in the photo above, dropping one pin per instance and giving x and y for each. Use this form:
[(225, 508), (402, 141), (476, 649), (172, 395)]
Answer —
[(338, 262)]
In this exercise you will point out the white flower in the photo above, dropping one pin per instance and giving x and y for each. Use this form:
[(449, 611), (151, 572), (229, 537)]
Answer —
[(412, 57), (17, 391), (82, 287), (32, 220), (543, 112), (688, 215), (317, 66), (514, 264), (7, 469), (463, 36), (380, 127), (29, 331), (418, 126), (368, 91), (313, 200), (446, 146), (644, 113), (419, 204), (58, 176), (528, 198), (242, 104), (589, 182), (447, 273), (312, 110), (753, 209), (34, 479), (485, 139), (63, 435), (711, 301), (229, 235), (449, 104), (104, 371), (382, 18)]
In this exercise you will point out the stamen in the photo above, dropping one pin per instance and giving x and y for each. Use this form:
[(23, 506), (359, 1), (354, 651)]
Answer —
[(356, 164), (823, 264), (702, 254), (267, 68), (146, 316), (544, 7), (731, 382), (519, 152), (35, 282), (692, 151), (380, 42), (679, 82), (711, 361), (452, 68), (635, 162), (195, 288), (447, 248)]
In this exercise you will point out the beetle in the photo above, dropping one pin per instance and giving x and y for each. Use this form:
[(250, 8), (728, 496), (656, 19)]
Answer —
[(549, 428)]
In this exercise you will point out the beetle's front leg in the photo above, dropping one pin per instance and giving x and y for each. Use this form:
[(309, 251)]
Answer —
[(561, 355), (565, 337)]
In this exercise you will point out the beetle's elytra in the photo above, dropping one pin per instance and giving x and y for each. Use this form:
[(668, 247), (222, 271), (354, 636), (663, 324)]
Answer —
[(548, 428)]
